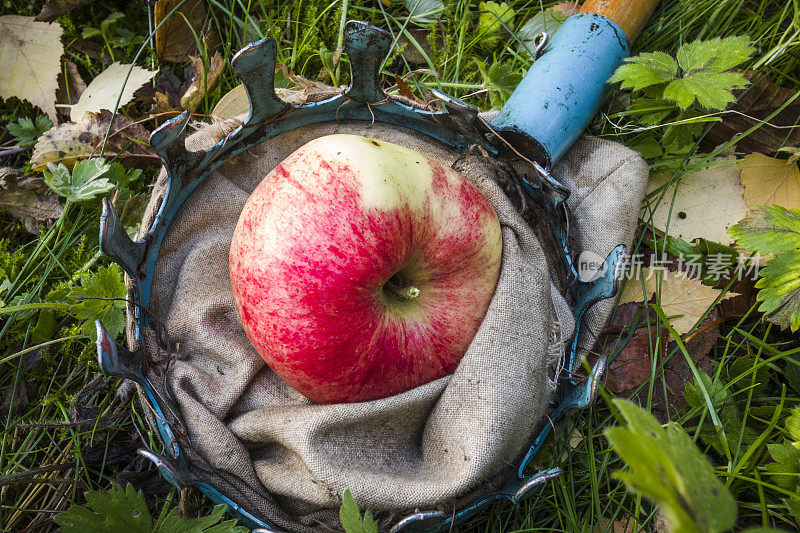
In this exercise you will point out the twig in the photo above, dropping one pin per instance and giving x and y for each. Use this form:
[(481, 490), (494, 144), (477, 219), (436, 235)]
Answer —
[(14, 150), (42, 345), (28, 475)]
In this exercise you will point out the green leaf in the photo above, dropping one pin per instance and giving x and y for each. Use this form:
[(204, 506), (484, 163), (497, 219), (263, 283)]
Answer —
[(86, 181), (769, 230), (678, 93), (105, 283), (793, 426), (666, 467), (712, 89), (715, 55), (785, 471), (780, 290), (26, 131), (644, 70), (351, 519), (46, 326), (205, 524), (126, 511), (118, 510), (647, 146), (651, 111), (500, 79), (679, 138), (775, 230), (493, 18)]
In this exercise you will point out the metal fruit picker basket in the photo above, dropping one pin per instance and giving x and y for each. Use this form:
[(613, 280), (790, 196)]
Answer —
[(541, 120)]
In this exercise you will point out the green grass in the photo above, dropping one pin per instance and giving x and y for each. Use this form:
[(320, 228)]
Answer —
[(47, 461)]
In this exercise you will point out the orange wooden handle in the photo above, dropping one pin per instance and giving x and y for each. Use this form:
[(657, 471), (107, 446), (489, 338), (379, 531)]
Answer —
[(630, 15)]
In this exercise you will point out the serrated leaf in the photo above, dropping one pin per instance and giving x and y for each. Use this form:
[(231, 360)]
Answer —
[(793, 426), (104, 91), (785, 471), (768, 180), (780, 290), (86, 181), (118, 510), (666, 467), (679, 138), (126, 510), (687, 298), (30, 59), (350, 516), (206, 524), (715, 55), (644, 70), (27, 131), (105, 283), (501, 81), (712, 89), (769, 230), (707, 202), (493, 18)]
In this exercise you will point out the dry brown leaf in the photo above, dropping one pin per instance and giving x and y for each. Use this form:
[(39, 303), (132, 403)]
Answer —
[(69, 142), (706, 204), (405, 90), (30, 60), (632, 365), (53, 9), (770, 181), (174, 37), (104, 91), (680, 295), (162, 105), (203, 80), (625, 525), (28, 200), (754, 105)]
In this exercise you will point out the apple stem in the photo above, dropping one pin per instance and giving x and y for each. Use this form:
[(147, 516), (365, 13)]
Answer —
[(402, 293)]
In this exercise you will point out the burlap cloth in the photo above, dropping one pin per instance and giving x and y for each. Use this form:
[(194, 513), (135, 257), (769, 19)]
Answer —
[(284, 458)]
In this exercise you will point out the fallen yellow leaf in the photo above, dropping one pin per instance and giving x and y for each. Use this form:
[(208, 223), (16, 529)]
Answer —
[(30, 60), (770, 181), (680, 295), (104, 91), (707, 202)]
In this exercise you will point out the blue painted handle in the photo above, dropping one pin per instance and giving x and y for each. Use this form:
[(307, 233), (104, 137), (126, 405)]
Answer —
[(564, 88)]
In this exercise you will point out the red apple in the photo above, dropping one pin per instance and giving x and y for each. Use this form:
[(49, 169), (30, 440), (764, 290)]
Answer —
[(362, 269)]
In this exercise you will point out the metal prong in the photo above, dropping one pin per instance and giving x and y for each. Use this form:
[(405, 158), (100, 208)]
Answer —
[(169, 144), (367, 48), (115, 243), (115, 359), (255, 65)]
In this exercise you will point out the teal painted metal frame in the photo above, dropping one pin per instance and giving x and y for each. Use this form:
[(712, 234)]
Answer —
[(457, 126)]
